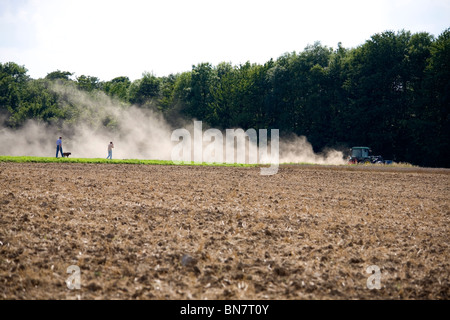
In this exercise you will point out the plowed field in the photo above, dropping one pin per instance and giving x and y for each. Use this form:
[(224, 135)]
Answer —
[(181, 232)]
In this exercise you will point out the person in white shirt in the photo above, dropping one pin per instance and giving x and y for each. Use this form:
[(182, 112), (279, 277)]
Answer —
[(110, 147)]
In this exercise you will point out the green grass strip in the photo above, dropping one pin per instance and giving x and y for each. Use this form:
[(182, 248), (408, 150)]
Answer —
[(115, 161)]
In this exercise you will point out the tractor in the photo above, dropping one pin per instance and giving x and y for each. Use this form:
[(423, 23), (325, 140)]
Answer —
[(363, 155)]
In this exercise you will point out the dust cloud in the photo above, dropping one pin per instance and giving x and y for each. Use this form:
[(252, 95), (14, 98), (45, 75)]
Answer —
[(137, 133), (299, 150)]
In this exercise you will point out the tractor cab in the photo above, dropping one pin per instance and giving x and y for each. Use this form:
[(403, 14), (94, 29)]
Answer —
[(360, 154)]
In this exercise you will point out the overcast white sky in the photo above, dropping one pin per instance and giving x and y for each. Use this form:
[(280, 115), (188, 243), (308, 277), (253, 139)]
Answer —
[(111, 38)]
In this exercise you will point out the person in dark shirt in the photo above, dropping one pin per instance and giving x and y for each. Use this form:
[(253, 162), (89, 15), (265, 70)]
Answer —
[(59, 147)]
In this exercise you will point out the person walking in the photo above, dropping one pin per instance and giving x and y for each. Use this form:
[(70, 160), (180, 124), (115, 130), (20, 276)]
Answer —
[(59, 147), (110, 147)]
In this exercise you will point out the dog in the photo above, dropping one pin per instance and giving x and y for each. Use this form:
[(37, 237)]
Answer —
[(66, 154)]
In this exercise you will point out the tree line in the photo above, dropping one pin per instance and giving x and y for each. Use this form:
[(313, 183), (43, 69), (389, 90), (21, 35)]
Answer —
[(390, 93)]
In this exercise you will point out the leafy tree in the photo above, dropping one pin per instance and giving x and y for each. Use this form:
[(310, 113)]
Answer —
[(167, 86), (38, 102), (435, 113), (88, 83), (59, 75), (145, 90), (378, 76), (200, 98), (118, 87), (13, 80)]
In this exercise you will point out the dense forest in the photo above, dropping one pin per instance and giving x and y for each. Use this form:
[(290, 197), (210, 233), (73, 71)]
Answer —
[(390, 93)]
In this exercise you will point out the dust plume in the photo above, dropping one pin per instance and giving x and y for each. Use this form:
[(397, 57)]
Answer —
[(97, 119), (299, 150), (94, 119)]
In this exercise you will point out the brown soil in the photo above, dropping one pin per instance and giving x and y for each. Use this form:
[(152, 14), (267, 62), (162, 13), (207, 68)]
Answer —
[(177, 232)]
